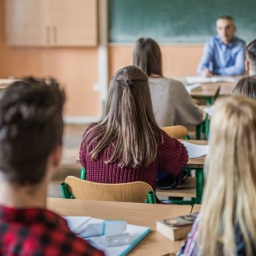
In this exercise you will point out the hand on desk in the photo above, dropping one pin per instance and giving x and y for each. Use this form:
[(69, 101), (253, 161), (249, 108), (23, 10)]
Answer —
[(206, 73)]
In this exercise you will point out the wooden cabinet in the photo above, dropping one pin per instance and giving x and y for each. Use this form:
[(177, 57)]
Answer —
[(51, 22)]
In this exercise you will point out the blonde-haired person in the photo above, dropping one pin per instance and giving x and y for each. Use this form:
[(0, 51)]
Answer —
[(226, 224), (172, 105), (128, 145)]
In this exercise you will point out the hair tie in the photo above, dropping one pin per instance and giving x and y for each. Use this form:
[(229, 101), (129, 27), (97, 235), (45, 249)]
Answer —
[(129, 82)]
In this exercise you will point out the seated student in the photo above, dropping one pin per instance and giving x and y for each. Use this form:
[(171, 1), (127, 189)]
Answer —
[(172, 105), (128, 145), (31, 128), (224, 54), (246, 86), (250, 63), (226, 224)]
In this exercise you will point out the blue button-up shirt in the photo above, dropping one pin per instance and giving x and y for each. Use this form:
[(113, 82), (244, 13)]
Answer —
[(223, 59)]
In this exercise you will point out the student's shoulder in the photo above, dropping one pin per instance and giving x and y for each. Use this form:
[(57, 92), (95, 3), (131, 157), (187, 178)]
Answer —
[(168, 139), (173, 83)]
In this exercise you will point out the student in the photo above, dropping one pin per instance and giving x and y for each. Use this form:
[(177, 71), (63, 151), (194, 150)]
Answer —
[(172, 105), (246, 86), (31, 128), (226, 224), (224, 54), (128, 145), (250, 63)]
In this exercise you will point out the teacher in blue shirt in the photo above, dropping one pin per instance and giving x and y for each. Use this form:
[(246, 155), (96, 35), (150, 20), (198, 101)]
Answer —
[(224, 54)]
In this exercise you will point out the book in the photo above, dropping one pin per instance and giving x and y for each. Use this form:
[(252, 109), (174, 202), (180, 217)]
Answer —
[(195, 150), (176, 228), (213, 79), (114, 237)]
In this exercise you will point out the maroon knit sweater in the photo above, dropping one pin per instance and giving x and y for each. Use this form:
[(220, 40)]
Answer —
[(171, 157)]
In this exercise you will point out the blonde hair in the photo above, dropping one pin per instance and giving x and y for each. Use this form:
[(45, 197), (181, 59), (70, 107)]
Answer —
[(129, 122), (230, 191)]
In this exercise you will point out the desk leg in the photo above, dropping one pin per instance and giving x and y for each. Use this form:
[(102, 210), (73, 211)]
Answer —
[(207, 126), (199, 185), (199, 130), (207, 121)]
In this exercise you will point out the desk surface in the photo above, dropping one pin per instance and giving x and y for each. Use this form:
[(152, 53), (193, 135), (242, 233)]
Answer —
[(133, 213), (206, 91), (225, 88)]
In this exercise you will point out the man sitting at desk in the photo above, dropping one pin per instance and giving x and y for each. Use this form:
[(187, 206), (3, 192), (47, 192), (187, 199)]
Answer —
[(224, 54), (31, 128), (250, 63)]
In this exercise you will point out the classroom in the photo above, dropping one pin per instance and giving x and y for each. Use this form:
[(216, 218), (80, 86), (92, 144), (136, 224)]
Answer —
[(82, 44)]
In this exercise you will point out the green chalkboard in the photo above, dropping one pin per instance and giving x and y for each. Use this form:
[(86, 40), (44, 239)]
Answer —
[(175, 21)]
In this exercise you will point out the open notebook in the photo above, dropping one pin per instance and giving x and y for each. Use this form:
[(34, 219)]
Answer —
[(195, 150), (114, 237)]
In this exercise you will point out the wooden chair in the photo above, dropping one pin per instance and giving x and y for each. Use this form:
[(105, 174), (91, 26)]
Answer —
[(176, 131), (138, 192)]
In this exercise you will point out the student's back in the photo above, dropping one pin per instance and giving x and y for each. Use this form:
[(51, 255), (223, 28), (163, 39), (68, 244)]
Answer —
[(128, 145), (172, 105)]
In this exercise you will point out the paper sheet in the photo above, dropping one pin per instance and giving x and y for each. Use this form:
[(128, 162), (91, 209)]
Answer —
[(195, 150)]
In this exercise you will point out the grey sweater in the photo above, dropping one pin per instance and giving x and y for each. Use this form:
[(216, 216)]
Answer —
[(172, 105)]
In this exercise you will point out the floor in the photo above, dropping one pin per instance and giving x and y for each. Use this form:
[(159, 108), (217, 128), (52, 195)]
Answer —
[(71, 143)]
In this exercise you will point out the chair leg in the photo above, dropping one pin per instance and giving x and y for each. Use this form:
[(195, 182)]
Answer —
[(64, 190), (151, 198), (83, 174)]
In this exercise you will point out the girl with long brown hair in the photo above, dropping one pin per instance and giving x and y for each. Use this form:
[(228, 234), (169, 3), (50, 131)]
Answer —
[(128, 145)]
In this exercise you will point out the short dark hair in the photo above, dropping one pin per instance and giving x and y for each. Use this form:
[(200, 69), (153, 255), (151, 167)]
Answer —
[(226, 17), (246, 86), (31, 126), (251, 53), (147, 56)]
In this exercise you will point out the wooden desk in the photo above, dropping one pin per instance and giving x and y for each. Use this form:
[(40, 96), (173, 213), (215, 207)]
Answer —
[(133, 213), (210, 93)]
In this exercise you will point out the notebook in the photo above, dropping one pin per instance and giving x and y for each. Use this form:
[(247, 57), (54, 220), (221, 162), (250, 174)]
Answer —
[(115, 238)]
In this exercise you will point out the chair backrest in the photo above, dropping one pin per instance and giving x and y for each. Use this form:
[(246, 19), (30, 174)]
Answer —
[(176, 131), (121, 192)]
